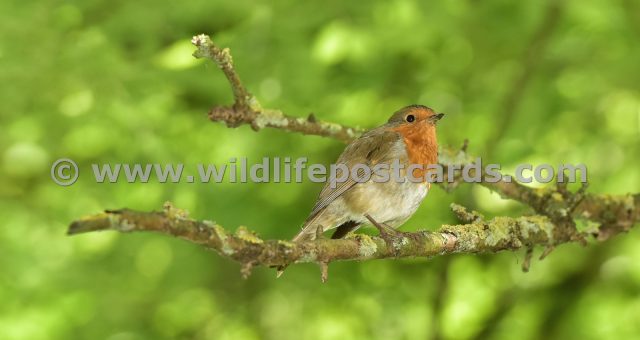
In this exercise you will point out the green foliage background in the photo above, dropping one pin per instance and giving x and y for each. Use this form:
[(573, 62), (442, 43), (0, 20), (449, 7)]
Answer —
[(114, 81)]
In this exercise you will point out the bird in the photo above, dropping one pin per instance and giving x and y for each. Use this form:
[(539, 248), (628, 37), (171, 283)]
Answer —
[(408, 137)]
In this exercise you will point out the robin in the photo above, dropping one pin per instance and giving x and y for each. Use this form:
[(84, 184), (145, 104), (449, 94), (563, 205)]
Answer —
[(408, 138)]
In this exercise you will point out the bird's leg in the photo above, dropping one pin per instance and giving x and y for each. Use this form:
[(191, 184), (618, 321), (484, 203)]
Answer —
[(387, 233)]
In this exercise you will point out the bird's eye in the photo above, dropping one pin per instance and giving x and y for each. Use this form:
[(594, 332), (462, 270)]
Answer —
[(410, 118)]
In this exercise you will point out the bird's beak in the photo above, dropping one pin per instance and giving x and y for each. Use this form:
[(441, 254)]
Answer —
[(436, 118)]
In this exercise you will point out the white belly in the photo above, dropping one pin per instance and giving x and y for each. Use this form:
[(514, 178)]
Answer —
[(391, 203)]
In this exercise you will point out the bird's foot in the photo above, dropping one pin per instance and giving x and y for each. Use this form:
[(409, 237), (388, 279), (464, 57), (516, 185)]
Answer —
[(388, 234)]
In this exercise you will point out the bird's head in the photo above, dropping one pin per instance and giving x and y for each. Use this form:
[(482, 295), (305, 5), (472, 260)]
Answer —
[(415, 117)]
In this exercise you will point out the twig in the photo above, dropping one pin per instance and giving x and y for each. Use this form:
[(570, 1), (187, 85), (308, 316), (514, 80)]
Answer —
[(222, 57), (247, 109)]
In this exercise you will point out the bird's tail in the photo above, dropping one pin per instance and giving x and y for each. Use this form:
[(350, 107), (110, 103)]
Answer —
[(309, 229), (307, 233)]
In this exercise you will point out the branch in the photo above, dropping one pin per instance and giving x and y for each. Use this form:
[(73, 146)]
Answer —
[(476, 236), (552, 224), (247, 109)]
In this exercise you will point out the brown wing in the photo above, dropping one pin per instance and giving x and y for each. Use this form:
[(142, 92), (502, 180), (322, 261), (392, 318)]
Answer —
[(371, 148)]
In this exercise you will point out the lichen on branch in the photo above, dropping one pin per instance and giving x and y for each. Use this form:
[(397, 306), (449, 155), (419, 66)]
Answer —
[(244, 246)]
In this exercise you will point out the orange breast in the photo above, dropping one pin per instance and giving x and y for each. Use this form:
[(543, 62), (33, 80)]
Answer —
[(422, 145)]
